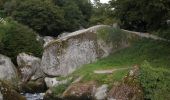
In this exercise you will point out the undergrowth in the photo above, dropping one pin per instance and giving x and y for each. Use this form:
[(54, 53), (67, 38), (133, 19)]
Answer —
[(155, 82)]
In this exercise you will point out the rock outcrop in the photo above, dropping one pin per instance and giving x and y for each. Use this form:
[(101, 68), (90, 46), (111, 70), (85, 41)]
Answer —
[(8, 93), (101, 92), (29, 67), (128, 89), (51, 82), (80, 91), (7, 69), (69, 52), (47, 39), (34, 86)]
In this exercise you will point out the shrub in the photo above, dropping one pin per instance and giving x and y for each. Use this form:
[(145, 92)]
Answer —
[(155, 82), (17, 38), (109, 34), (163, 32)]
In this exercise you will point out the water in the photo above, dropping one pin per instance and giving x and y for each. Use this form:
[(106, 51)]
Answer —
[(35, 96)]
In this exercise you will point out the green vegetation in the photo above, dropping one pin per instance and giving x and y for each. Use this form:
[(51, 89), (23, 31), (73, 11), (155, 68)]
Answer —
[(102, 14), (50, 17), (157, 53), (163, 32), (110, 34), (58, 90), (40, 22), (142, 15), (155, 82), (17, 38)]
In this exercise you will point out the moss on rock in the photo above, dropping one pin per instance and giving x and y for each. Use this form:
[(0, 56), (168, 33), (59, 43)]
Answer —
[(9, 93)]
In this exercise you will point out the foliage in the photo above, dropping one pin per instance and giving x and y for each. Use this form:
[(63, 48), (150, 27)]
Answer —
[(77, 13), (109, 34), (155, 82), (58, 90), (142, 15), (50, 17), (40, 15), (163, 32), (73, 16), (18, 38), (102, 14)]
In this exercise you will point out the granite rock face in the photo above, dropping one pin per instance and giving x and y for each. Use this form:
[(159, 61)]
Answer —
[(29, 67), (47, 39), (66, 54), (7, 69)]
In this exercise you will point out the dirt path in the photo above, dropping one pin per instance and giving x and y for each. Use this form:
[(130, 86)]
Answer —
[(108, 71)]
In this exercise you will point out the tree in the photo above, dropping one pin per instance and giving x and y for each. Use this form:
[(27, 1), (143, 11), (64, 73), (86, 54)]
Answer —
[(41, 15), (141, 15), (73, 16), (76, 12), (102, 14), (17, 38)]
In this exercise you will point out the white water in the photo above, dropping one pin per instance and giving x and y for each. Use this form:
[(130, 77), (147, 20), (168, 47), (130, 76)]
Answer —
[(35, 96)]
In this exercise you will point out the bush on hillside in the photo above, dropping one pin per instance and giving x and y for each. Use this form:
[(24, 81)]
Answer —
[(164, 32), (17, 38), (109, 34), (155, 82)]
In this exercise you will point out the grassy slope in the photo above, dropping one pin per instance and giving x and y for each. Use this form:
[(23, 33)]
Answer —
[(155, 52)]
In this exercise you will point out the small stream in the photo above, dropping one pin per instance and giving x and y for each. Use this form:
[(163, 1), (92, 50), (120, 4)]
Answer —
[(35, 96)]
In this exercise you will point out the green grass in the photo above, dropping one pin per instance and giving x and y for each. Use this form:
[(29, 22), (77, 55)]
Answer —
[(109, 34), (155, 82), (156, 52)]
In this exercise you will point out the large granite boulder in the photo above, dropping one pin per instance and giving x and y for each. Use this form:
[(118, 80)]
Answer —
[(69, 52), (29, 67), (7, 69)]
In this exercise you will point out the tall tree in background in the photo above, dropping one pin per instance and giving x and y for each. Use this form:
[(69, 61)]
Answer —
[(42, 16), (77, 12), (73, 16), (50, 17), (141, 15), (102, 14)]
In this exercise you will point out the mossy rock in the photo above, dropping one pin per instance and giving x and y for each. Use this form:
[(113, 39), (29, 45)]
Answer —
[(34, 86), (9, 93)]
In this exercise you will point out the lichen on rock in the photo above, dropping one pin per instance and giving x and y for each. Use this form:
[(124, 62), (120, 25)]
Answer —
[(66, 54), (128, 89), (7, 69), (29, 67)]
